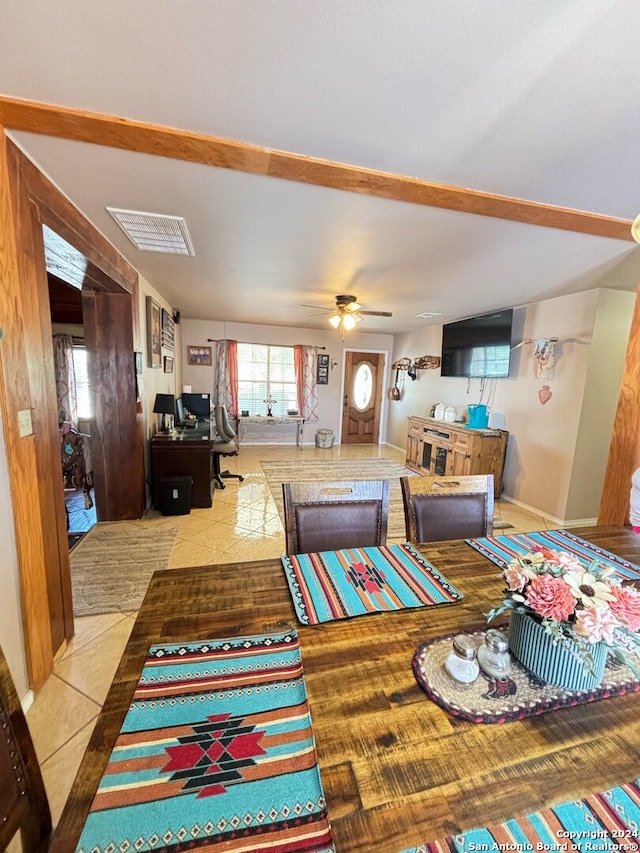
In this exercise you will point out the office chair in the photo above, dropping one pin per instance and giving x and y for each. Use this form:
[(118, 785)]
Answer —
[(227, 446), (332, 516), (23, 805), (439, 508)]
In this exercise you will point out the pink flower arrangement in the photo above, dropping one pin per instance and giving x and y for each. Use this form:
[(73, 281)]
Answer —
[(584, 604)]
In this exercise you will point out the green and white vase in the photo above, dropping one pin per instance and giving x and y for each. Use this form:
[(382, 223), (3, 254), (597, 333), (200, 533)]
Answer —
[(551, 661)]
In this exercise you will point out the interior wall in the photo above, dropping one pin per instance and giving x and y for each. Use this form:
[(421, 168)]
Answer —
[(197, 333), (11, 633), (540, 468)]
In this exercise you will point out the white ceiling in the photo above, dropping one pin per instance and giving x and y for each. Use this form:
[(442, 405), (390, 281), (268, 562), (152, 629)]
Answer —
[(533, 99)]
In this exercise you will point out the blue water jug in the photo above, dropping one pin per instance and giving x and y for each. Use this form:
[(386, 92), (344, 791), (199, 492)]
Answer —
[(478, 416)]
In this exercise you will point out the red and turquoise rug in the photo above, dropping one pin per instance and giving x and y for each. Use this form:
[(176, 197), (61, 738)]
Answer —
[(332, 585), (502, 549), (216, 753), (607, 822)]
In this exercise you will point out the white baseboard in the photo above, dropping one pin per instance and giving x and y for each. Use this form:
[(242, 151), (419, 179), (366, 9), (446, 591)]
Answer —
[(27, 702), (562, 522)]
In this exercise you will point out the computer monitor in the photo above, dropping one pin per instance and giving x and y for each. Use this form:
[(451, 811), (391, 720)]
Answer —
[(198, 404)]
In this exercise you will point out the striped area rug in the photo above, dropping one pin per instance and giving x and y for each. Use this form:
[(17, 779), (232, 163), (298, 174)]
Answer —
[(607, 821), (502, 549), (216, 753), (306, 471)]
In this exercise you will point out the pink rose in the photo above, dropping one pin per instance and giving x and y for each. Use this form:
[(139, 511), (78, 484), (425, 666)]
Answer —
[(596, 623), (626, 606), (517, 577), (550, 597)]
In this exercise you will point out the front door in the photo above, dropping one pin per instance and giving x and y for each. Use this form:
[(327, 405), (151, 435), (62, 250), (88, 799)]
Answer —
[(362, 397)]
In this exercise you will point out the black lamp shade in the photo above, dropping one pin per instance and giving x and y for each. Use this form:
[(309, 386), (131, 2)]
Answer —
[(165, 404)]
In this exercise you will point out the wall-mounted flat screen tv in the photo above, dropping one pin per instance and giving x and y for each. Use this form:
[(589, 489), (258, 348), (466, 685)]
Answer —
[(478, 347)]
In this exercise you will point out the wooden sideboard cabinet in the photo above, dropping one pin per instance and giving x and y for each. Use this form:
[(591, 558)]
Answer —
[(437, 448)]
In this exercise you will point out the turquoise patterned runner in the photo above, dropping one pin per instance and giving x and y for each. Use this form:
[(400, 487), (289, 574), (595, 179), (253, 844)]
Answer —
[(502, 549), (338, 584), (216, 753), (606, 822)]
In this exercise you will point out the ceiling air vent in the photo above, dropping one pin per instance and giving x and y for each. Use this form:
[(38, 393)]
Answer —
[(154, 232)]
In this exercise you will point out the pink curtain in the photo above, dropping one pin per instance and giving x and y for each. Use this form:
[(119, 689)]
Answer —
[(65, 379), (304, 359), (225, 381)]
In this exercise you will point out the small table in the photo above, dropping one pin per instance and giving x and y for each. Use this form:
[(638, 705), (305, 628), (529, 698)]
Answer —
[(271, 420)]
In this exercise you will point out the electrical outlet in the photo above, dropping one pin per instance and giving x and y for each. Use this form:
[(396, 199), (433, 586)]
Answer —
[(24, 422)]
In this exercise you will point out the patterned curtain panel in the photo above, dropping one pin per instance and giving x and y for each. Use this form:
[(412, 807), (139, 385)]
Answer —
[(225, 380), (65, 379), (305, 364)]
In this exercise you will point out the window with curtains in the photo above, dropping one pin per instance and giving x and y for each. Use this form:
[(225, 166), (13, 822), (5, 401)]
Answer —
[(263, 371), (81, 370)]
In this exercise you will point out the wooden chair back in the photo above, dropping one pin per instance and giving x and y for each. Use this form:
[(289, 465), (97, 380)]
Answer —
[(24, 806), (327, 516), (439, 508)]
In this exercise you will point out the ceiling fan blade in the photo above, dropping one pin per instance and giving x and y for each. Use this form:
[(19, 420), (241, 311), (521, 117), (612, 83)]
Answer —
[(376, 313), (317, 307)]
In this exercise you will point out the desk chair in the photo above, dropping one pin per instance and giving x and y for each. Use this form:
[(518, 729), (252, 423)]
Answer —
[(438, 508), (23, 800), (227, 446), (331, 516)]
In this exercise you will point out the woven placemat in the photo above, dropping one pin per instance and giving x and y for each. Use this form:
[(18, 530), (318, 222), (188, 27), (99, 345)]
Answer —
[(513, 697)]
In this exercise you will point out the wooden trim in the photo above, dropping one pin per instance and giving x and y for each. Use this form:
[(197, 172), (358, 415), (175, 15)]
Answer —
[(624, 451), (145, 138), (20, 331)]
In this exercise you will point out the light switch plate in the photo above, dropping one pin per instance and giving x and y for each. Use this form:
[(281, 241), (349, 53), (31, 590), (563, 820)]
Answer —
[(24, 422)]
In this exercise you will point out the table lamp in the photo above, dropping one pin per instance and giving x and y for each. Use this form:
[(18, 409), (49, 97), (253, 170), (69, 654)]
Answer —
[(164, 405)]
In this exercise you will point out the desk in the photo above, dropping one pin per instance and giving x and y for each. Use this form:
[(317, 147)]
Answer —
[(271, 421), (183, 453), (396, 769)]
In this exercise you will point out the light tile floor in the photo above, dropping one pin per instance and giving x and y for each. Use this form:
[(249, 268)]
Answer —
[(241, 525)]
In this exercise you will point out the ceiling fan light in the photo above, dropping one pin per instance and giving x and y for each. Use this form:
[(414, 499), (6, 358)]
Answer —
[(335, 320), (348, 322)]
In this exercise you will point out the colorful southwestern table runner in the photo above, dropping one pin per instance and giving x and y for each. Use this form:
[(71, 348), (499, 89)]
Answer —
[(338, 584), (607, 821), (514, 696), (216, 753), (502, 549)]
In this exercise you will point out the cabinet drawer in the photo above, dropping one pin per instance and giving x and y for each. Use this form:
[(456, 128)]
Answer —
[(462, 440)]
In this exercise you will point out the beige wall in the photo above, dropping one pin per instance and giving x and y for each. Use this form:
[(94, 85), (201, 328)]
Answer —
[(550, 452), (11, 636), (197, 333)]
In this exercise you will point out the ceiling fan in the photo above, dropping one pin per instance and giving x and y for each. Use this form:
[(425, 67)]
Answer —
[(348, 312)]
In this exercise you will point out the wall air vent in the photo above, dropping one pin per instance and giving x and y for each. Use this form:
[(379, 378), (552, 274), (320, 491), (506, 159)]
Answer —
[(154, 232)]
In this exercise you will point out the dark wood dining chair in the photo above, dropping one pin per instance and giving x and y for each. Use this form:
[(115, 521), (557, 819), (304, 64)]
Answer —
[(24, 806), (439, 508), (322, 516)]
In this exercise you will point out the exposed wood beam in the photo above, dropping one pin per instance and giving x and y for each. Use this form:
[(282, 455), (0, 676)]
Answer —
[(146, 138)]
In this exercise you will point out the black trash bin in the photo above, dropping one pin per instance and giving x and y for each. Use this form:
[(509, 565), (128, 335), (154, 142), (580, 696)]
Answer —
[(175, 495)]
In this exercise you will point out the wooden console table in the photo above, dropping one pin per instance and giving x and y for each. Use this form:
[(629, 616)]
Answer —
[(271, 420)]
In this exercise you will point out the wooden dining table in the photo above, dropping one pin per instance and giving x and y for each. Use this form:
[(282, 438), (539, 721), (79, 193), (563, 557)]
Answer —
[(396, 768)]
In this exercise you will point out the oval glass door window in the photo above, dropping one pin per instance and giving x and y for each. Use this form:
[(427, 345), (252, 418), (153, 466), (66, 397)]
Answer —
[(362, 386)]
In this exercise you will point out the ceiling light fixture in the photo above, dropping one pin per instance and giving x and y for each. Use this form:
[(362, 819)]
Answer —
[(635, 229)]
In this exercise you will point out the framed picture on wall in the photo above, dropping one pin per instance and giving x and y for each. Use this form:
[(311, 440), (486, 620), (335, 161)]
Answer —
[(168, 364), (154, 333), (199, 355), (322, 369), (167, 330)]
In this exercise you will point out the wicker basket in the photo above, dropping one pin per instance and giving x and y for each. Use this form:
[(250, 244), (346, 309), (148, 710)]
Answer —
[(325, 438)]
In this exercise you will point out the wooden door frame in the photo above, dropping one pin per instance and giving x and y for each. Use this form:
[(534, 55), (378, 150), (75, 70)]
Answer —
[(28, 201), (383, 387)]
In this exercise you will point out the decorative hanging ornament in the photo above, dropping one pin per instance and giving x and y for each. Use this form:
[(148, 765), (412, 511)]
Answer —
[(544, 394), (543, 353)]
